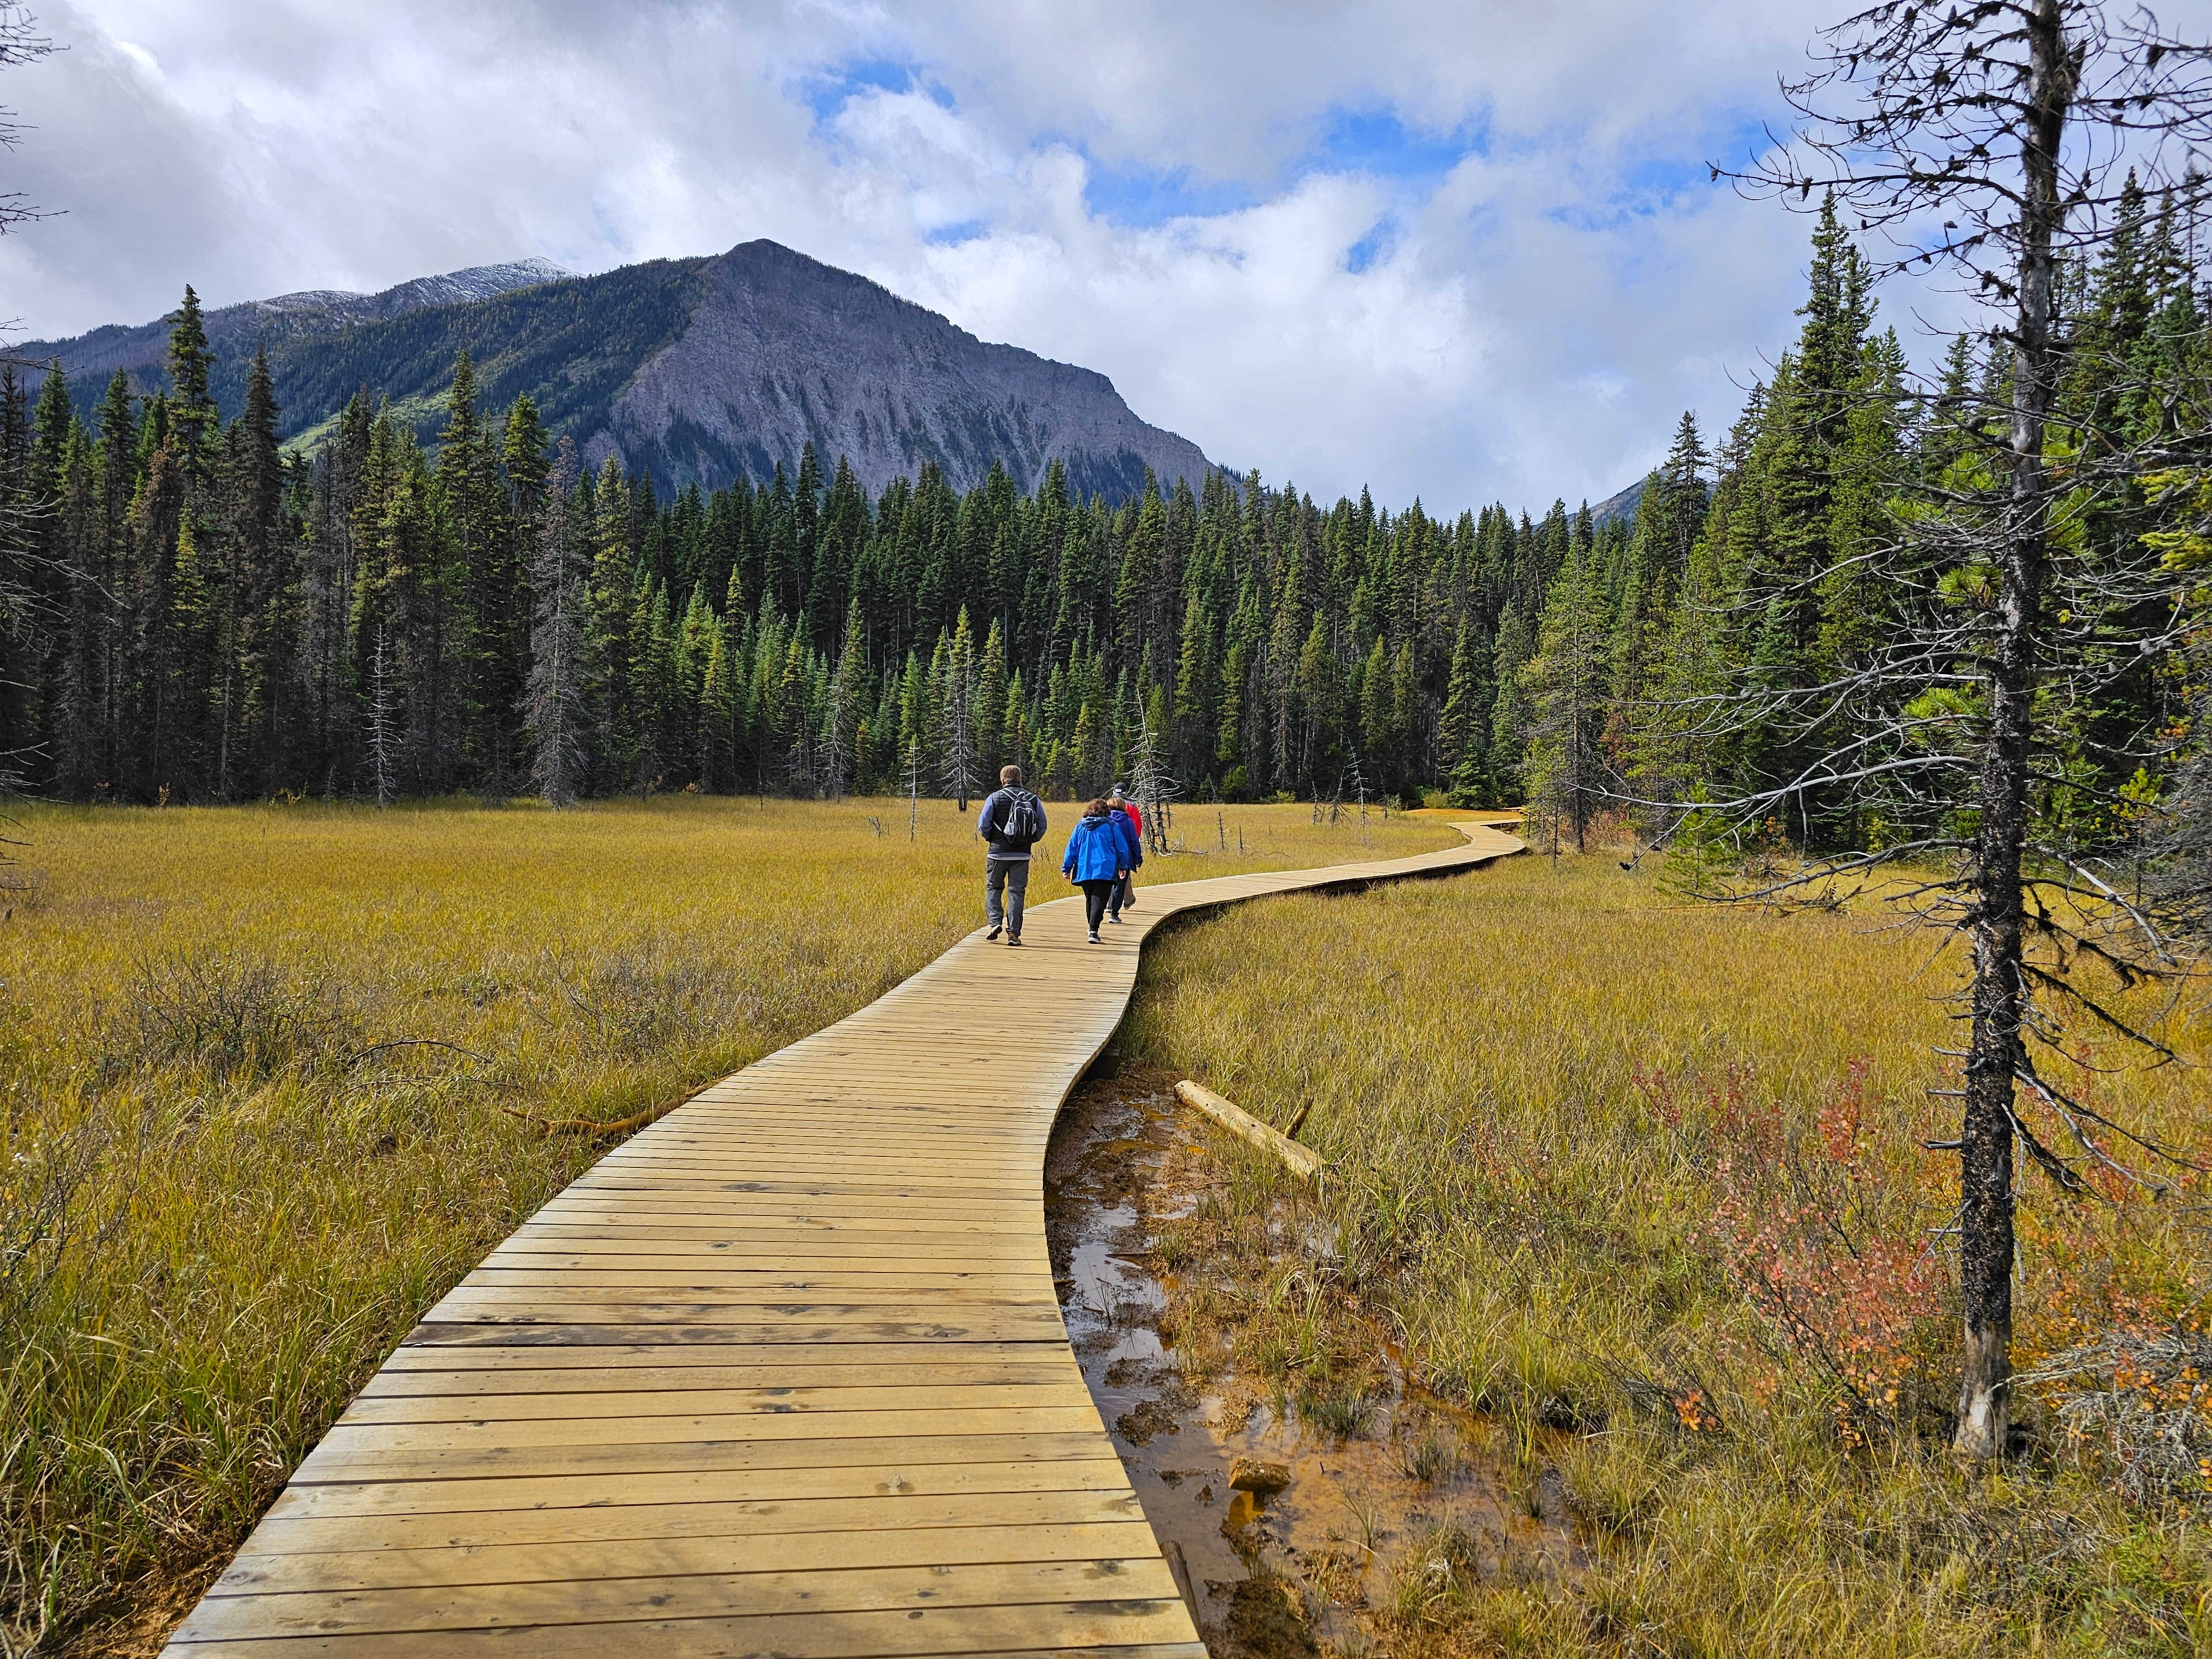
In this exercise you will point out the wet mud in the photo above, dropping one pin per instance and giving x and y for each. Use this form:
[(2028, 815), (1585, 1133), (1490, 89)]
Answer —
[(1390, 1497)]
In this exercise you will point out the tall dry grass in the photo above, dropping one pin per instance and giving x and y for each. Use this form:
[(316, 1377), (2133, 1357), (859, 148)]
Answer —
[(260, 1074), (1643, 1181)]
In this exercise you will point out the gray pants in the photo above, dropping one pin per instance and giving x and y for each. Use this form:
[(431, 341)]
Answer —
[(1012, 876)]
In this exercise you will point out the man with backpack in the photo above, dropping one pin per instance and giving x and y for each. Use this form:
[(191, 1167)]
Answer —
[(1012, 822)]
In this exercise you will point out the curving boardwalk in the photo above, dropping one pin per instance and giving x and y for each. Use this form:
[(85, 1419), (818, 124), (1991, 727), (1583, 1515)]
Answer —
[(783, 1374)]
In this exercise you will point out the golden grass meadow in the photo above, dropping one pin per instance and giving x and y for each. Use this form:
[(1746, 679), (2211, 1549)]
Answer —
[(268, 1075), (1642, 1182)]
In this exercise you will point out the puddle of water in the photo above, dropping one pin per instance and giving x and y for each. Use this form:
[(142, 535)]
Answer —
[(1404, 1500)]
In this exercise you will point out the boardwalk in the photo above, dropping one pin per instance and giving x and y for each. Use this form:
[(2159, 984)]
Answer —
[(783, 1374)]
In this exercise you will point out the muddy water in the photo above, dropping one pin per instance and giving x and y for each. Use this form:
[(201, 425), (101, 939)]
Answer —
[(1371, 1523)]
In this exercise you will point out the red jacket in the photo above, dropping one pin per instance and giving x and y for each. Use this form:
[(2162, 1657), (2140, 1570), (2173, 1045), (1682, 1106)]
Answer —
[(1136, 820)]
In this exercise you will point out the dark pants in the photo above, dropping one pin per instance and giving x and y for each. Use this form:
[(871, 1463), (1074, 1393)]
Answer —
[(1013, 875), (1095, 895), (1124, 893)]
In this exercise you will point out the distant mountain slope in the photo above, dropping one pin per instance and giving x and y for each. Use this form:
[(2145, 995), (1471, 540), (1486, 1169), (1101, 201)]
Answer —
[(1619, 505), (143, 352), (688, 369)]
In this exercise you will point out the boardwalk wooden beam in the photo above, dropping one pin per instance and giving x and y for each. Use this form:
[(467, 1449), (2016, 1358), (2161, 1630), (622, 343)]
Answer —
[(784, 1373)]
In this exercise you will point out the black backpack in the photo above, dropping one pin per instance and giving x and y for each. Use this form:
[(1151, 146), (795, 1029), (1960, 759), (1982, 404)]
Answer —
[(1023, 822)]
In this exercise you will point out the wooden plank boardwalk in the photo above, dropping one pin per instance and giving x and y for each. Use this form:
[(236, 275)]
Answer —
[(783, 1374)]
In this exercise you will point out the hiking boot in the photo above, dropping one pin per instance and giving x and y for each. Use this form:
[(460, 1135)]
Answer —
[(1013, 939)]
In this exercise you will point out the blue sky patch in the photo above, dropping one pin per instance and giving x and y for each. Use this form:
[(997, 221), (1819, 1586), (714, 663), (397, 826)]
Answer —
[(1377, 142), (829, 93), (1371, 246), (966, 230), (1143, 197)]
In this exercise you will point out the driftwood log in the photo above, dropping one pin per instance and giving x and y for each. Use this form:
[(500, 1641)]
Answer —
[(1241, 1123)]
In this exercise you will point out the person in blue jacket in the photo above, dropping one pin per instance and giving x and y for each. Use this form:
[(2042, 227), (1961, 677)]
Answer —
[(1133, 853), (1097, 859)]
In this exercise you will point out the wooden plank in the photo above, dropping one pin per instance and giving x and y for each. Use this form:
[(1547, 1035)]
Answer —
[(823, 1401), (951, 1635), (365, 1535), (521, 1606), (527, 1253), (522, 1497), (881, 1462), (758, 1299), (651, 1273), (903, 1545), (783, 1374), (347, 1437), (790, 1380), (790, 1356)]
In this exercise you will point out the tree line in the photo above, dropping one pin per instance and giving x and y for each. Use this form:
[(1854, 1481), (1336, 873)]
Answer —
[(1791, 622), (206, 618), (198, 615)]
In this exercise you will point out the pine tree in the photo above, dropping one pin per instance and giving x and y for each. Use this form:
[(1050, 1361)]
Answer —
[(990, 750), (192, 413), (1566, 773), (265, 629)]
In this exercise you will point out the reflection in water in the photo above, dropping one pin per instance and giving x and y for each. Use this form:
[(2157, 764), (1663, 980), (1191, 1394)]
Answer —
[(1384, 1503)]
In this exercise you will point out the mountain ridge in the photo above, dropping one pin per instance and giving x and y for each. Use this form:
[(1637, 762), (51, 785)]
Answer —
[(694, 370), (143, 348)]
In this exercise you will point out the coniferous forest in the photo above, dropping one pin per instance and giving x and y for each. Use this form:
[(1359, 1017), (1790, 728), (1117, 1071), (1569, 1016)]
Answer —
[(201, 616)]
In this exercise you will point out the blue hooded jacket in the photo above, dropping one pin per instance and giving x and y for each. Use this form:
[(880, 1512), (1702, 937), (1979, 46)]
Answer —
[(1097, 851), (1132, 844)]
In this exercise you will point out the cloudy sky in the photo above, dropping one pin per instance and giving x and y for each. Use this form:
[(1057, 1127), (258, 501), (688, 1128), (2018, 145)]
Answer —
[(1464, 252)]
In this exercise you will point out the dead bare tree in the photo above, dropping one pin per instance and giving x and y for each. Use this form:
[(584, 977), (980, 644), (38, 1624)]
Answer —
[(20, 43), (553, 697), (381, 739), (1989, 140), (1150, 785), (913, 787), (837, 728)]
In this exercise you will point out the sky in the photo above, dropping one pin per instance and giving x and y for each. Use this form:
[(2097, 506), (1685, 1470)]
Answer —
[(1464, 253)]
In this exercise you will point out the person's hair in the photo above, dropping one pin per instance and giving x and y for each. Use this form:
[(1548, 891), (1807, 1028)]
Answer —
[(1097, 809), (1009, 775)]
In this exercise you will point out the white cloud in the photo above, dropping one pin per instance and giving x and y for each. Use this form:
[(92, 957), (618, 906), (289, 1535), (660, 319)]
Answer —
[(1531, 321)]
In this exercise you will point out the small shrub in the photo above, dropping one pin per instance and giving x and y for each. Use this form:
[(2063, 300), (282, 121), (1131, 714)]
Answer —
[(2140, 1404), (231, 1015)]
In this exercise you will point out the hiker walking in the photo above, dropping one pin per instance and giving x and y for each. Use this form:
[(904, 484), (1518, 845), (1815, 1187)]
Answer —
[(1097, 859), (1012, 822), (1125, 895)]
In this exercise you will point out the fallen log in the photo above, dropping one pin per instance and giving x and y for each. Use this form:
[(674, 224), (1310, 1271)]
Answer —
[(1241, 1123), (549, 1127)]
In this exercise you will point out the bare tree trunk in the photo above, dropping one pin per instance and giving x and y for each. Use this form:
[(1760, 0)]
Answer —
[(1993, 1055)]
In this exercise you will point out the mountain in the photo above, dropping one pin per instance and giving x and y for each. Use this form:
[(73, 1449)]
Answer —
[(143, 352), (1620, 505), (688, 370)]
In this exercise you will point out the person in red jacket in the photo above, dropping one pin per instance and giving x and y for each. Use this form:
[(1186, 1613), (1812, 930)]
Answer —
[(1126, 898)]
